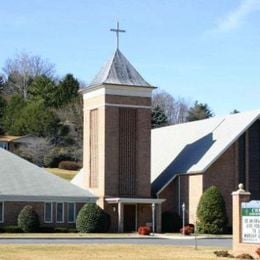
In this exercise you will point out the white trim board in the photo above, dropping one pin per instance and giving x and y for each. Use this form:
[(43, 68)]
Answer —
[(117, 105), (117, 90)]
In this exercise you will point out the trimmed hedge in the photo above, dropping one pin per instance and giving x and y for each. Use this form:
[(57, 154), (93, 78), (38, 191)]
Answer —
[(69, 165), (55, 156), (92, 219), (28, 220), (10, 229), (211, 212)]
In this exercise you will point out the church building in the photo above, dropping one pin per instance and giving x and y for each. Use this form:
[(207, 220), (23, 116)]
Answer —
[(138, 173), (189, 158)]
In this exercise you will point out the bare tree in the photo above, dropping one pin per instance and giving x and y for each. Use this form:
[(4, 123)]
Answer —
[(20, 70), (72, 116), (35, 151), (175, 109)]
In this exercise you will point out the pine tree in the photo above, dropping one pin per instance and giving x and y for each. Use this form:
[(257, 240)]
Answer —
[(2, 111), (158, 117), (67, 90), (199, 111)]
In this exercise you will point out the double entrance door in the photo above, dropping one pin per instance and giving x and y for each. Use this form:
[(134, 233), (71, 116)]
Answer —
[(130, 218)]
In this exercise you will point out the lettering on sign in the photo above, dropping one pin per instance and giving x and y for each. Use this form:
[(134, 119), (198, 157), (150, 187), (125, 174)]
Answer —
[(251, 222)]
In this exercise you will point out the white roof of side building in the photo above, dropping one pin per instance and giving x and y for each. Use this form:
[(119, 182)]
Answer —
[(79, 179), (119, 71), (21, 180), (194, 146)]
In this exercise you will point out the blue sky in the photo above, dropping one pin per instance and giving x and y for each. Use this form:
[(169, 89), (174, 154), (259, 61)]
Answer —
[(198, 49)]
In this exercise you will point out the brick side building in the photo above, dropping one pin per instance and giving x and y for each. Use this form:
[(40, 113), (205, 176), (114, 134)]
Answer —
[(189, 158), (55, 200)]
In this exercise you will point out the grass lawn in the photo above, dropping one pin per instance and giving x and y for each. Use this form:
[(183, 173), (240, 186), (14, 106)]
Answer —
[(104, 251), (65, 174)]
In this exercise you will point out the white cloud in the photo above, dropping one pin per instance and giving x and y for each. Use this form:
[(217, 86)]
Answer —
[(236, 17)]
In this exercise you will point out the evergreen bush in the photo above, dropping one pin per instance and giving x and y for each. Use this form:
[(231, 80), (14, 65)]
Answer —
[(92, 219), (28, 220), (211, 212)]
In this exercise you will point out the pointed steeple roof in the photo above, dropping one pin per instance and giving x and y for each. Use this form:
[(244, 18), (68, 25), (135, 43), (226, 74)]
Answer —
[(119, 71)]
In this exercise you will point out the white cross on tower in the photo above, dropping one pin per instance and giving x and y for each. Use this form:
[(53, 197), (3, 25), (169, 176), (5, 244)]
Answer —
[(117, 31)]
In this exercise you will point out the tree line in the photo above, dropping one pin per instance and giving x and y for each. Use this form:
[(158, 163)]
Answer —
[(34, 100), (166, 110)]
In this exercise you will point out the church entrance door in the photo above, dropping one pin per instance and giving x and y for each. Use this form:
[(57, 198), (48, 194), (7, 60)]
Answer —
[(129, 218)]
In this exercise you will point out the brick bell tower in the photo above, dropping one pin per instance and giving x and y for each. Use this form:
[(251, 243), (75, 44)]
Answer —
[(117, 140)]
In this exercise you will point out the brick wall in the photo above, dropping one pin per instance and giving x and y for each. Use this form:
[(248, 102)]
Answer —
[(254, 160), (12, 210), (176, 193), (141, 153), (224, 175), (109, 142)]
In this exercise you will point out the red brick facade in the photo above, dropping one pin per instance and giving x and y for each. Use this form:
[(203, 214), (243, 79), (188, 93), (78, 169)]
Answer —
[(225, 173), (12, 210), (123, 150)]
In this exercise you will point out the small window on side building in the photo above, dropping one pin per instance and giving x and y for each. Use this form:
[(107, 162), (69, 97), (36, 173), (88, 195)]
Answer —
[(1, 212), (71, 212), (59, 212), (48, 212)]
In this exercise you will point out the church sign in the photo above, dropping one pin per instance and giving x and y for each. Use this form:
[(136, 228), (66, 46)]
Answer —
[(251, 222)]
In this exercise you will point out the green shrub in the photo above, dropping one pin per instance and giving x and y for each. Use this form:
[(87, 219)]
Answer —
[(28, 220), (69, 165), (211, 212), (10, 229), (171, 222), (65, 230), (92, 219), (55, 156)]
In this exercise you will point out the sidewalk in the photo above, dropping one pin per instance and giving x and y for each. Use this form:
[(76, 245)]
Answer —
[(199, 236), (106, 236)]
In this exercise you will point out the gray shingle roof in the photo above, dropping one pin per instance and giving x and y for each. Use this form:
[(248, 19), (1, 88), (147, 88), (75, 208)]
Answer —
[(22, 180), (193, 147), (119, 71)]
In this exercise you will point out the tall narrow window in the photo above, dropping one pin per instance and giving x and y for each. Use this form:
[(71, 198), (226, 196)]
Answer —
[(93, 181), (48, 212), (127, 151), (1, 212), (71, 212), (59, 212)]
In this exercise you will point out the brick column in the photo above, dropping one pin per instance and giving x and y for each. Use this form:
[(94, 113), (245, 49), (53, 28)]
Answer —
[(238, 197)]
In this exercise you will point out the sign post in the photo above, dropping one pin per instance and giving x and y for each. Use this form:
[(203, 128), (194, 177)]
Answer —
[(183, 218)]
